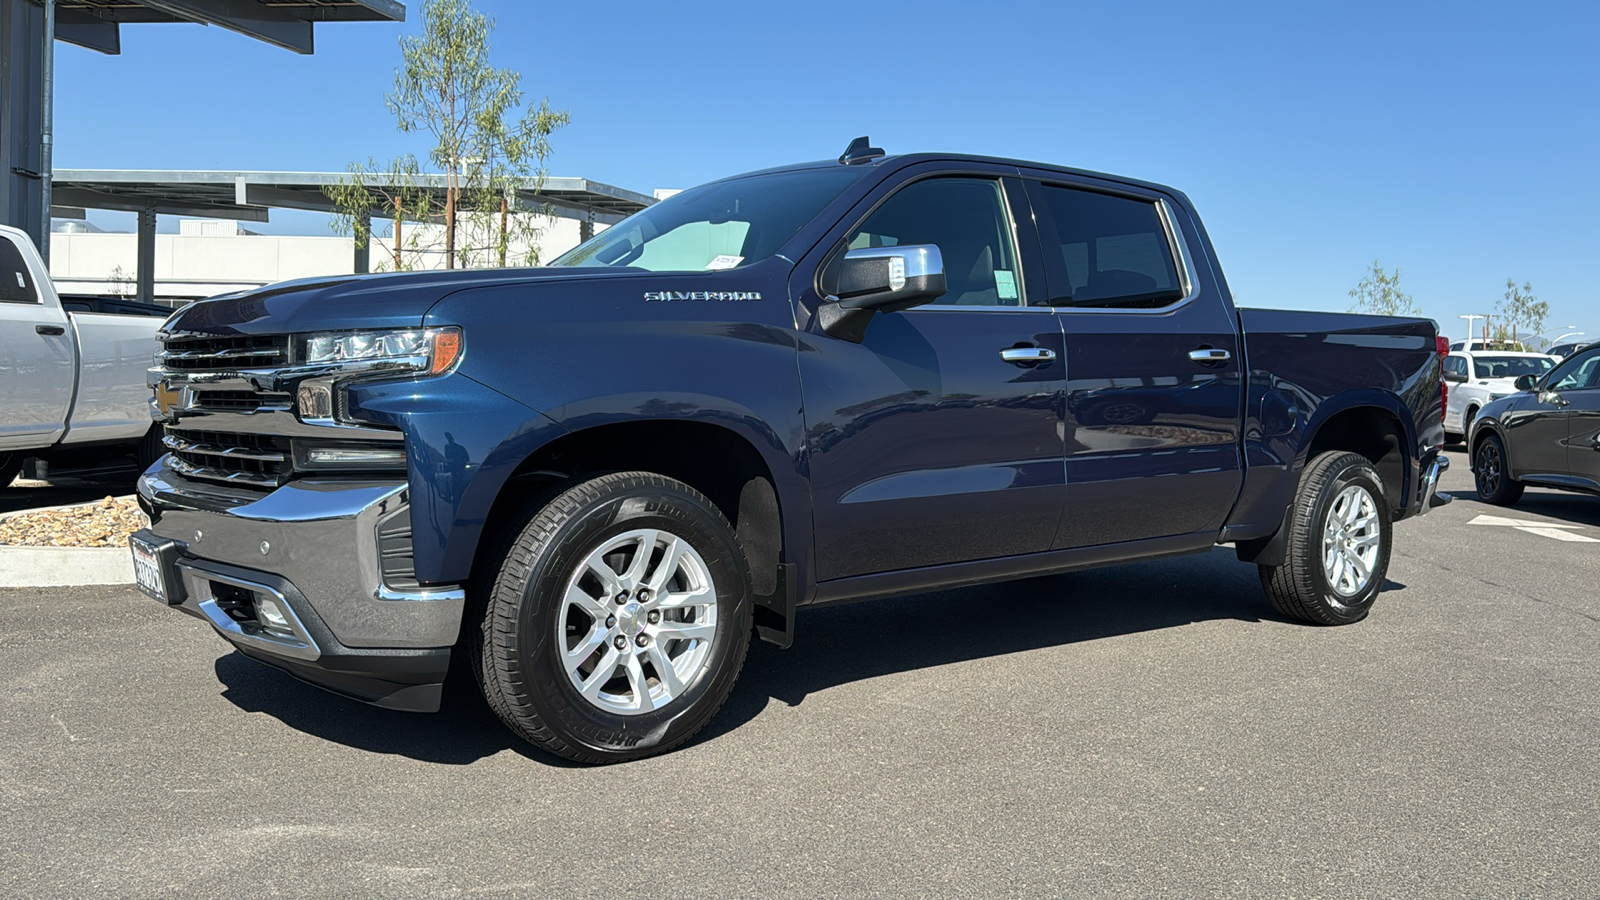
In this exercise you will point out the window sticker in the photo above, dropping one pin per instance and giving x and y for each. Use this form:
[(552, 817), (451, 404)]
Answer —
[(1005, 285), (20, 282), (724, 262)]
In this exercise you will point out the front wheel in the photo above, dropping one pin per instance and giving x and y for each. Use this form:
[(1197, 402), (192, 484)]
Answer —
[(1338, 543), (618, 620), (10, 467), (1492, 477)]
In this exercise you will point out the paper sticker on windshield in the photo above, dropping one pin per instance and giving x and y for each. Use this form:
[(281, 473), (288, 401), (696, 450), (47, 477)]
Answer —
[(1005, 285), (20, 282), (724, 262)]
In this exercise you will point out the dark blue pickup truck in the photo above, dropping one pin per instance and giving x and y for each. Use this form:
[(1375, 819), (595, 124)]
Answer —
[(824, 382)]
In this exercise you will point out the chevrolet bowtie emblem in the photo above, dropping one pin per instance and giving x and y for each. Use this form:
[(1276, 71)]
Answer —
[(169, 398)]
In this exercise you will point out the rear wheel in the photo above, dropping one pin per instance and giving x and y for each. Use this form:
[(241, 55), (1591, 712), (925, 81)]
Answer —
[(618, 620), (1338, 544), (1493, 478)]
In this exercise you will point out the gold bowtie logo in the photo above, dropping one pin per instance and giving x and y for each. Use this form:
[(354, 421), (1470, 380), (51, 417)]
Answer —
[(168, 398)]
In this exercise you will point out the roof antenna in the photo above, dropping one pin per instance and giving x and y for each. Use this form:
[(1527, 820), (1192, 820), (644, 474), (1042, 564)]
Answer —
[(860, 151)]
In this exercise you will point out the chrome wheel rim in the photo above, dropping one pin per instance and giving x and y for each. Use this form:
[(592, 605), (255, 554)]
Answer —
[(1350, 538), (1488, 469), (637, 621)]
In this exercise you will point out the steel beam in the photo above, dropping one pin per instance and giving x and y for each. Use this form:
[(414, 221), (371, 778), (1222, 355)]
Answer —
[(264, 23), (21, 89), (145, 265), (90, 32), (91, 199)]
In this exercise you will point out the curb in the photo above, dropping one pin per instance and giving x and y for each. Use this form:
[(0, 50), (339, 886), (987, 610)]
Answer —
[(63, 566)]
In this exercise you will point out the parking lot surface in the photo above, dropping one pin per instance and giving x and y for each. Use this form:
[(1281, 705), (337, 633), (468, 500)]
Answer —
[(1146, 729)]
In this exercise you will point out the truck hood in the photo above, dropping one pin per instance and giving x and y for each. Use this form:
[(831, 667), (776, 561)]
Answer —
[(398, 300)]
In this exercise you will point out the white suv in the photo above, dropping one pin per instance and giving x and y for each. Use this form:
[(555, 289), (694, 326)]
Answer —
[(1477, 376)]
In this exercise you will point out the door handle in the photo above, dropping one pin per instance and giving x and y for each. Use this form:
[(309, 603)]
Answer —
[(1027, 355), (50, 329), (1210, 355)]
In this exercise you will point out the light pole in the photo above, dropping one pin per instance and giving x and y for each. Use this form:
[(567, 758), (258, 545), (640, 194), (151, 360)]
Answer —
[(1565, 336), (1469, 319)]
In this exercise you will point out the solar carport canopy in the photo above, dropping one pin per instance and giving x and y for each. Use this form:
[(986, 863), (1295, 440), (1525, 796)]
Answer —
[(286, 23)]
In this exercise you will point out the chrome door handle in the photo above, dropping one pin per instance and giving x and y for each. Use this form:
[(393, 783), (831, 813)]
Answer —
[(1027, 355), (1210, 355)]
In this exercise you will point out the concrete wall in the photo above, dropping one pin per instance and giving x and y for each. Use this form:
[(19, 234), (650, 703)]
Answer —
[(200, 262)]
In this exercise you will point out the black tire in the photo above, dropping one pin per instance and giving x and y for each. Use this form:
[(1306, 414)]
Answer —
[(10, 467), (150, 448), (515, 650), (1302, 588), (1492, 476)]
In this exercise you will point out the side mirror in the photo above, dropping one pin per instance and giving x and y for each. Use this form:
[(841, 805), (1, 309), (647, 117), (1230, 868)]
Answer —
[(878, 279), (1455, 378), (1526, 382)]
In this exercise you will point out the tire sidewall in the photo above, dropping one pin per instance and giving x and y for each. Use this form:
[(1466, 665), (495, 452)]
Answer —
[(539, 657), (1501, 487), (1355, 607)]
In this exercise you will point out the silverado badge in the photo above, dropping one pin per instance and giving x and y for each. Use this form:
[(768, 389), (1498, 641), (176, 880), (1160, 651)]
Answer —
[(725, 296)]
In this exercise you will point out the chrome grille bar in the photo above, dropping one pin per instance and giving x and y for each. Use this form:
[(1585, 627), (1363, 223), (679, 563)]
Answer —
[(180, 445)]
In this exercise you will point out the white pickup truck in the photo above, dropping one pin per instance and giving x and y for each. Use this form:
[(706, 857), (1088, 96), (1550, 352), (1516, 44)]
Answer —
[(72, 385)]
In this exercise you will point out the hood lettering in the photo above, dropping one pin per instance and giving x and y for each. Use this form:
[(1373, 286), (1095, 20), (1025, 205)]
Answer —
[(715, 296)]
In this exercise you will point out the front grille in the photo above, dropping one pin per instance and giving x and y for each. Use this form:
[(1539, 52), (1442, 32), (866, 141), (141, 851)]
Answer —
[(223, 354), (237, 401), (254, 459)]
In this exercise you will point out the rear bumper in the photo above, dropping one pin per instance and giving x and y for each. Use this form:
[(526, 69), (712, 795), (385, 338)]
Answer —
[(1428, 494), (320, 553)]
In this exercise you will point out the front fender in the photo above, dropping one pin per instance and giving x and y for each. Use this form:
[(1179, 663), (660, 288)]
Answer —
[(463, 440)]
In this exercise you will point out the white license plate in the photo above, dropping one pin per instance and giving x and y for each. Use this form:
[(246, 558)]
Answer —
[(147, 569)]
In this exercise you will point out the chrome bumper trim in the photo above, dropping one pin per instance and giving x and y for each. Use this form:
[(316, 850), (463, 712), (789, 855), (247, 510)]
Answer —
[(1431, 496), (320, 536), (198, 593)]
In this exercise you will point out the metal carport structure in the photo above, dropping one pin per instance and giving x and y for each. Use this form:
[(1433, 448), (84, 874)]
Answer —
[(248, 196), (29, 29)]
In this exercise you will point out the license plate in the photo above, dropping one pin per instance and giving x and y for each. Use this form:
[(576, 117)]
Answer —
[(147, 569)]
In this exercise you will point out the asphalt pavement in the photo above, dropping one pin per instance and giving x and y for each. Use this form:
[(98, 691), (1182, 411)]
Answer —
[(1150, 729)]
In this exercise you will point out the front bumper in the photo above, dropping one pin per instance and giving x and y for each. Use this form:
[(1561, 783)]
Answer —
[(321, 553)]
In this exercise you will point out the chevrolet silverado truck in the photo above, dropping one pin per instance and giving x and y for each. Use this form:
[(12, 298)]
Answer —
[(73, 385), (599, 480)]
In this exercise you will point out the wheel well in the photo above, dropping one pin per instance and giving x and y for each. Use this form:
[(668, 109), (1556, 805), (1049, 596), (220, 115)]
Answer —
[(712, 459), (1372, 432)]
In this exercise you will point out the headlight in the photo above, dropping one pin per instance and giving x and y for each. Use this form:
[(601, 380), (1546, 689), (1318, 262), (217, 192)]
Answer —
[(431, 350)]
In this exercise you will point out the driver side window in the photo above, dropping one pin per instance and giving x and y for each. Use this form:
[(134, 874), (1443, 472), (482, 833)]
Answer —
[(966, 218), (1582, 372)]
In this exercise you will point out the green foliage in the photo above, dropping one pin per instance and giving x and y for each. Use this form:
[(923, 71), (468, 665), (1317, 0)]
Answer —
[(390, 191), (1379, 293), (490, 146), (1522, 310)]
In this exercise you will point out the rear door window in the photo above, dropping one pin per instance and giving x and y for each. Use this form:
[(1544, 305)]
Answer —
[(16, 281), (1107, 250)]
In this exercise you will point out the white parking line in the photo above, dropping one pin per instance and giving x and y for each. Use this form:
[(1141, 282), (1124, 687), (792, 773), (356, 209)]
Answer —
[(1553, 530)]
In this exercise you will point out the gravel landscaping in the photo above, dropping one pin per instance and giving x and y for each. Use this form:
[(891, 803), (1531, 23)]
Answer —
[(103, 523)]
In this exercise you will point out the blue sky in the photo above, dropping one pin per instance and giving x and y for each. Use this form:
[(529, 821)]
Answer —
[(1453, 140)]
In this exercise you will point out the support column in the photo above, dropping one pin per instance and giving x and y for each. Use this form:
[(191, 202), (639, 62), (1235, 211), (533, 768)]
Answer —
[(363, 261), (21, 90), (145, 267)]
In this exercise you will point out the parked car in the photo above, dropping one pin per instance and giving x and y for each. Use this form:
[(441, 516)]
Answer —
[(1476, 377), (1546, 434), (1562, 351), (73, 387), (807, 385)]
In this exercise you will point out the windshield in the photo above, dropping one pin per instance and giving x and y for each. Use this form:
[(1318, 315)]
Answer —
[(1510, 366), (722, 225)]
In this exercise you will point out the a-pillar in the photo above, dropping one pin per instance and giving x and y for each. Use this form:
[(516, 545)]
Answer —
[(145, 265)]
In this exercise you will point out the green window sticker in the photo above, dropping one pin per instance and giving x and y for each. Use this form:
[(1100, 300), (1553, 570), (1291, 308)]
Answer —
[(1005, 285)]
